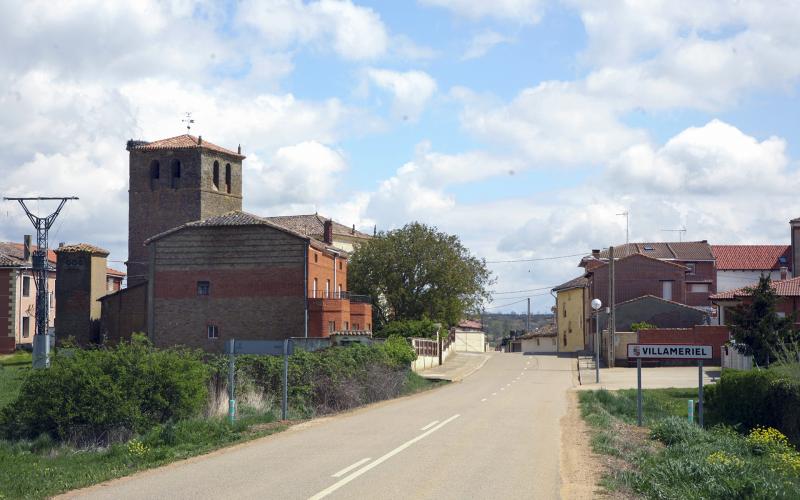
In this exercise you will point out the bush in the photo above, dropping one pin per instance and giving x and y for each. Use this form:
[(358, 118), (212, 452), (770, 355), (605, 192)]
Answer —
[(105, 395), (674, 430), (755, 398), (423, 328)]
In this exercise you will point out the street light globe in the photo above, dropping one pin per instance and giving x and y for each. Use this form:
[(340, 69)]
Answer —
[(596, 304)]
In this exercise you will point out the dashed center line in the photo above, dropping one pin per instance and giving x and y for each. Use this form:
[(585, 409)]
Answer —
[(482, 400), (494, 394), (429, 425), (348, 469)]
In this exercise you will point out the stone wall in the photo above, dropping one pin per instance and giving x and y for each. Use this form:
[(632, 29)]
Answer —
[(8, 296)]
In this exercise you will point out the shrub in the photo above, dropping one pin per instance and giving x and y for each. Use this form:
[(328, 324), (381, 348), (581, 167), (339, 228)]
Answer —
[(398, 351), (104, 395), (423, 328), (674, 430), (749, 399)]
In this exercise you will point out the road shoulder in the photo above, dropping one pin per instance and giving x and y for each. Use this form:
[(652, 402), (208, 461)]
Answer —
[(581, 469)]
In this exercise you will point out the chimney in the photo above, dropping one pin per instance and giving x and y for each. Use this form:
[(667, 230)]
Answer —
[(199, 140), (596, 253), (353, 230), (61, 244), (239, 150), (327, 234), (26, 247), (784, 272)]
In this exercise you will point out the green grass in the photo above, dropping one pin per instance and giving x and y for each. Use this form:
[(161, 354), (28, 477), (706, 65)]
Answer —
[(19, 358), (10, 382), (415, 383), (677, 459), (41, 468)]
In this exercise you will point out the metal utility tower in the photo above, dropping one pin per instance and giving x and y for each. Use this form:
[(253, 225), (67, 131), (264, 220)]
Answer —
[(41, 265), (680, 232)]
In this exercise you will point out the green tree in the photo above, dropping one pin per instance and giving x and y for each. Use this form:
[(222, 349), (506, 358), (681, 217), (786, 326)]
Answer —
[(419, 272), (756, 326)]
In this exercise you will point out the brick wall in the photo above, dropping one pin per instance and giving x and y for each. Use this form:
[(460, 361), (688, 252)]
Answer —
[(705, 272), (320, 266), (256, 287), (8, 295), (360, 316), (636, 276), (323, 311), (712, 335), (80, 281), (124, 313)]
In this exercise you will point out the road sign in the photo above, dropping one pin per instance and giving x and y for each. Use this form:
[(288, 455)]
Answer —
[(669, 351), (262, 347)]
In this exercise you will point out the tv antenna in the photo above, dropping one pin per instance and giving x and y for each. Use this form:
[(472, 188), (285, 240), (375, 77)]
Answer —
[(627, 225), (680, 232), (41, 267), (188, 121)]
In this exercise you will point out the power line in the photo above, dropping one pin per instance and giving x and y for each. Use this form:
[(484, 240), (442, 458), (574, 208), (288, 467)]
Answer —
[(504, 305), (528, 290), (538, 258)]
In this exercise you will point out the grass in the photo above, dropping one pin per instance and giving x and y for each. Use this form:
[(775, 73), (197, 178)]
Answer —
[(12, 370), (677, 459), (18, 359), (42, 468)]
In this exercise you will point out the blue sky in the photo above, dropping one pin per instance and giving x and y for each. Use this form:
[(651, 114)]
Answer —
[(523, 126)]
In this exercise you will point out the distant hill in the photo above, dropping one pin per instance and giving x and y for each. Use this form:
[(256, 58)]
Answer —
[(497, 325)]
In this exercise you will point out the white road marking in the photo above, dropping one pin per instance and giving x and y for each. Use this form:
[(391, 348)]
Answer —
[(429, 425), (494, 394), (502, 388), (348, 469), (327, 491), (482, 400)]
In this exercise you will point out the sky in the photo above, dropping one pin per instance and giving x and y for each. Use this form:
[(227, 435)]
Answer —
[(523, 126)]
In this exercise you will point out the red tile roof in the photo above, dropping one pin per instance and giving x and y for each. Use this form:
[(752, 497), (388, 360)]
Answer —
[(184, 141), (469, 323), (114, 273), (783, 288), (752, 257), (314, 225), (82, 247), (15, 250), (673, 250)]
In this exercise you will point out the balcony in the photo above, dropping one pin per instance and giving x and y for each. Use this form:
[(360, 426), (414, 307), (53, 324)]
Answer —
[(354, 298), (338, 311)]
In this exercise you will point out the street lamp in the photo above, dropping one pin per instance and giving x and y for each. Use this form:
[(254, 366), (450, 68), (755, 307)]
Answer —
[(596, 305)]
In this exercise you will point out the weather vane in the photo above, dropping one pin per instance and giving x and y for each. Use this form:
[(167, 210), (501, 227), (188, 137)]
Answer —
[(188, 121)]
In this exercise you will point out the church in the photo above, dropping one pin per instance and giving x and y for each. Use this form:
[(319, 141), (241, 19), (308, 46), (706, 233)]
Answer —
[(201, 270)]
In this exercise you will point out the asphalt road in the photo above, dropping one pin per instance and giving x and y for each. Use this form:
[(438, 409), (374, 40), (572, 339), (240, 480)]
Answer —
[(493, 435)]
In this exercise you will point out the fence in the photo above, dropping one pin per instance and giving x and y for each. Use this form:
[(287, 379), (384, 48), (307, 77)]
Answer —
[(428, 351), (731, 358)]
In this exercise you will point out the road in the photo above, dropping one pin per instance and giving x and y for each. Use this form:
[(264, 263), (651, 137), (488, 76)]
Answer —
[(493, 435)]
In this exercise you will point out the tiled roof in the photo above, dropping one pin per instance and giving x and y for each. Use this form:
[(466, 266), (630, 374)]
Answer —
[(114, 272), (752, 257), (238, 218), (639, 256), (548, 330), (81, 247), (674, 250), (783, 288), (579, 282), (184, 141), (314, 225), (16, 251), (469, 323), (659, 299)]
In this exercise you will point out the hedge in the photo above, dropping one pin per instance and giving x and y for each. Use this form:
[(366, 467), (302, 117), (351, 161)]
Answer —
[(749, 399)]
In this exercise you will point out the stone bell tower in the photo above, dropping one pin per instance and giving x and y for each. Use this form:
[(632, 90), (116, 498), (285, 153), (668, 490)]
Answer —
[(175, 181)]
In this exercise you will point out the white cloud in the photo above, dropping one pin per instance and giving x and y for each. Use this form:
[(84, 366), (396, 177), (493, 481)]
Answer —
[(411, 90), (484, 42), (354, 32), (519, 11)]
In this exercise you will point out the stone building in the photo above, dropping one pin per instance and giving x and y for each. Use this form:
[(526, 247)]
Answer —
[(202, 271)]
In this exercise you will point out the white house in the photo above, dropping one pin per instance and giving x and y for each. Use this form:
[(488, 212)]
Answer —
[(742, 265)]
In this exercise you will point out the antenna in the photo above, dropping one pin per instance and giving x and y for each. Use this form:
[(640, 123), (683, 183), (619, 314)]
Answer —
[(41, 267), (680, 232), (188, 121), (627, 226)]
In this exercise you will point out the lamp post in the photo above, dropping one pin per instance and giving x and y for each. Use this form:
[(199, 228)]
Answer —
[(596, 305)]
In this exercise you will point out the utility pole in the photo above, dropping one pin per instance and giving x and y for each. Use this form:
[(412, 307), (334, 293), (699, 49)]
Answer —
[(41, 267), (680, 232), (627, 226), (611, 301), (528, 317)]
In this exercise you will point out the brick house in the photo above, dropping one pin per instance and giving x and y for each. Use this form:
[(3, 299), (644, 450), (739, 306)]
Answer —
[(742, 265), (314, 226), (788, 292), (240, 275), (18, 296)]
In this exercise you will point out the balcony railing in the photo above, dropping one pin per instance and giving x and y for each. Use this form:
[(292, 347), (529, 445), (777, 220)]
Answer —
[(352, 297)]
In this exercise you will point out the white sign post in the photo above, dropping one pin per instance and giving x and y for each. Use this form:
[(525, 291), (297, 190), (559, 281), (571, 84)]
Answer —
[(668, 351)]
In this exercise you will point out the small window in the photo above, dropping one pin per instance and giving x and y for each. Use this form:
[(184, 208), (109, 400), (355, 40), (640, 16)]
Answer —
[(648, 248), (109, 285), (339, 290), (781, 314), (216, 175), (331, 326), (316, 257), (340, 265), (314, 288), (666, 290), (203, 287), (26, 286), (26, 326), (565, 310), (346, 325), (782, 260), (155, 173), (699, 288), (691, 266), (213, 331), (327, 288), (369, 326), (51, 300), (228, 177), (175, 169)]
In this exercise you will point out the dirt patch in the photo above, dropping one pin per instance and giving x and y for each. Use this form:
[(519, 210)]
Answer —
[(581, 469)]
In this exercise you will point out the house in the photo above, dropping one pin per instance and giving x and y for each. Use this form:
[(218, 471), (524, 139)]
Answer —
[(656, 311), (693, 288), (742, 265), (788, 292), (540, 341), (571, 314), (202, 271), (637, 275), (315, 226), (468, 336), (18, 299)]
